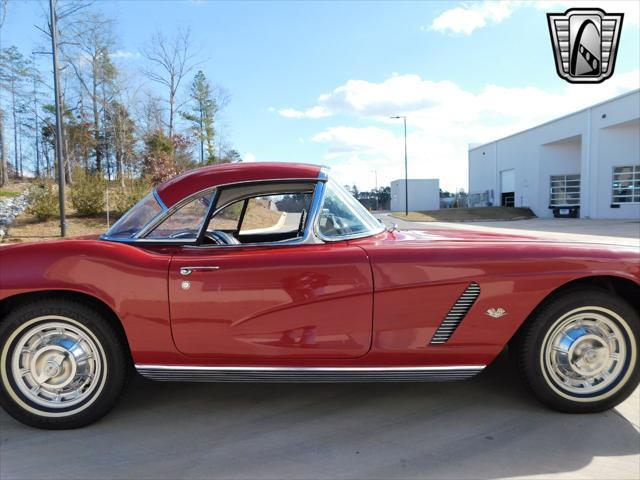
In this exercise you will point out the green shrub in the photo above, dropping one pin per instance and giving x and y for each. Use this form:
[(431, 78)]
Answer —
[(121, 199), (87, 193), (43, 201)]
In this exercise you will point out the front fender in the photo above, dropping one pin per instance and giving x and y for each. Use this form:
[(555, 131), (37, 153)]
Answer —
[(131, 281)]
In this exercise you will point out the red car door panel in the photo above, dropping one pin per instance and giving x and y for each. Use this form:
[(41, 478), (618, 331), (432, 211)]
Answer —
[(309, 301)]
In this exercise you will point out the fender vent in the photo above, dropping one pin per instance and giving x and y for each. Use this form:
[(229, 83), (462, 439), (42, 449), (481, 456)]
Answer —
[(456, 314)]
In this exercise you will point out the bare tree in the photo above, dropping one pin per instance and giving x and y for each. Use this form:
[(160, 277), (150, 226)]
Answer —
[(13, 71), (3, 11), (4, 174), (89, 40), (171, 59), (65, 13)]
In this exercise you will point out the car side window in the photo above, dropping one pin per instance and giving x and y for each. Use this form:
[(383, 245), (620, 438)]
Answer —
[(185, 223), (275, 214), (227, 218), (342, 215), (264, 218)]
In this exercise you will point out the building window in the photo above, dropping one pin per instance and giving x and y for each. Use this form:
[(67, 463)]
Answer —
[(626, 184), (564, 190)]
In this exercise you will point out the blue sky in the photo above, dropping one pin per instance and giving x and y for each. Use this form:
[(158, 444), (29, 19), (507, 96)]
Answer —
[(316, 81)]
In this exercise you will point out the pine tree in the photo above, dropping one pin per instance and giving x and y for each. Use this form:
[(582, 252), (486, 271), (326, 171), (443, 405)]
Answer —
[(202, 116)]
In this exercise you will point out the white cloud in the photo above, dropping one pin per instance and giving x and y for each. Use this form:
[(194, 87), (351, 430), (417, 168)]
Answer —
[(471, 16), (313, 112), (443, 119), (468, 17), (249, 158), (124, 54)]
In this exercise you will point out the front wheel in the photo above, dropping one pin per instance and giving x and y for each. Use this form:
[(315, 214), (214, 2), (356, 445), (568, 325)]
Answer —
[(579, 353), (62, 364)]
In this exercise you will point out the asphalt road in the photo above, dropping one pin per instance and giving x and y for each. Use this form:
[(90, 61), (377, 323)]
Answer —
[(487, 427)]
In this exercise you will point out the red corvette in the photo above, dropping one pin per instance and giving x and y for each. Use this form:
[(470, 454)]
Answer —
[(272, 272)]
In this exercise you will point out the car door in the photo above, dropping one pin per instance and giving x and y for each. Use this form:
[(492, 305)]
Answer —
[(262, 302)]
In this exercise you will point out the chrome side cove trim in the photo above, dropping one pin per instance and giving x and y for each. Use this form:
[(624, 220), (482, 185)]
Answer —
[(456, 314), (307, 374)]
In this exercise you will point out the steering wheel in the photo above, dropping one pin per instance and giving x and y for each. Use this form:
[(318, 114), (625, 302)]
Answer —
[(219, 237), (183, 234)]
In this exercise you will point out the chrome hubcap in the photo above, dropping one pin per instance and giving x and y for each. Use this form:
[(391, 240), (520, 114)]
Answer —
[(56, 364), (585, 352)]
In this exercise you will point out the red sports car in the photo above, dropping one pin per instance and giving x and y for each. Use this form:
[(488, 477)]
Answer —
[(274, 273)]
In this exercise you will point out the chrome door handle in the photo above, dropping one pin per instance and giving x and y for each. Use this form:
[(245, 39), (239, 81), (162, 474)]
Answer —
[(188, 270)]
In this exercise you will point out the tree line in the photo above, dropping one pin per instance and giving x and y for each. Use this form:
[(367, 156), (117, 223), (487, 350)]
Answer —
[(115, 125)]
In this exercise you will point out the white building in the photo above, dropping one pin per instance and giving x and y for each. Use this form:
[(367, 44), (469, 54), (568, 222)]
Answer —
[(424, 194), (586, 163)]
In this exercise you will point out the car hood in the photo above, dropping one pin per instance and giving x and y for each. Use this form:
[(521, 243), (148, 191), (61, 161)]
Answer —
[(458, 234)]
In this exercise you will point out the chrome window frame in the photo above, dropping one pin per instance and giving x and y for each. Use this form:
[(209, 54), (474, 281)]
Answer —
[(306, 238), (159, 219), (311, 235), (139, 238), (340, 238)]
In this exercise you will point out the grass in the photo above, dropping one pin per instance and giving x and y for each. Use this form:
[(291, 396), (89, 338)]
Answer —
[(13, 189), (467, 214), (27, 228), (8, 193)]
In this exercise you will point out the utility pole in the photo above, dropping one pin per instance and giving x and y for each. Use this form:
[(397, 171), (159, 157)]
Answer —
[(406, 170), (59, 144), (375, 172)]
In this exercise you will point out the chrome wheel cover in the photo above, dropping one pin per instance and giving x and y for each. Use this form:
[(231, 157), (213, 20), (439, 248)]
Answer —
[(57, 367), (586, 354)]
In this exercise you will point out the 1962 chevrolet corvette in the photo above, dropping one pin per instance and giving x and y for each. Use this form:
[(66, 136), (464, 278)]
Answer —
[(272, 272)]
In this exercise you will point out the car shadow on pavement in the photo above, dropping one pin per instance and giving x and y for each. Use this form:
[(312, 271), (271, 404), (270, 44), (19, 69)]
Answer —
[(487, 427)]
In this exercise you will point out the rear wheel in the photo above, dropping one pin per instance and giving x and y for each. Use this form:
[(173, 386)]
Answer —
[(62, 364), (579, 353)]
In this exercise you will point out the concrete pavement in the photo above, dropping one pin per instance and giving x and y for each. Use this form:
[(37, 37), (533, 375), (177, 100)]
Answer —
[(487, 427)]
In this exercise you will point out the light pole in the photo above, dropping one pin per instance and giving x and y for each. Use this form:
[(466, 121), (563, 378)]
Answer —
[(375, 172), (56, 84), (406, 175)]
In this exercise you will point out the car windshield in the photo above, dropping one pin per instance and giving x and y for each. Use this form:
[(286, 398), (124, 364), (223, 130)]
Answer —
[(135, 219), (342, 215)]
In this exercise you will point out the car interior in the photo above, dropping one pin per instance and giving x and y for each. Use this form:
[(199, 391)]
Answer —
[(243, 214)]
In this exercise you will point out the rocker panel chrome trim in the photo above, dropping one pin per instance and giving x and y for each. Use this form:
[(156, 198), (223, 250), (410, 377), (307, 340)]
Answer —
[(307, 374)]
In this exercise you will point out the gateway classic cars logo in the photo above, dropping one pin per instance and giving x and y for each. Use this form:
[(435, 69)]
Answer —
[(585, 43)]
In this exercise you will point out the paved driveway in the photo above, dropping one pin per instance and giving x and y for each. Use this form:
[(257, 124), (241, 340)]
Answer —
[(482, 428)]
